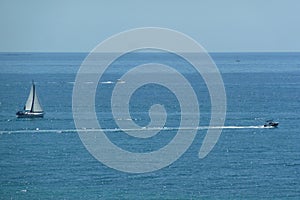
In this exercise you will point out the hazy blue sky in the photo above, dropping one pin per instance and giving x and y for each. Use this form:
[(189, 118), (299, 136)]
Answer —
[(76, 26)]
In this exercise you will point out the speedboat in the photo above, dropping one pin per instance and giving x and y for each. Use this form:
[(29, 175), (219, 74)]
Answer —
[(120, 81), (271, 123)]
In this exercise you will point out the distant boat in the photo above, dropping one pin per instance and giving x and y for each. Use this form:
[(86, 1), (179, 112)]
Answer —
[(271, 123), (32, 108), (120, 81)]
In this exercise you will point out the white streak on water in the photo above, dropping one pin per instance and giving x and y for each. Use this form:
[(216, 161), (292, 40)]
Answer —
[(37, 130)]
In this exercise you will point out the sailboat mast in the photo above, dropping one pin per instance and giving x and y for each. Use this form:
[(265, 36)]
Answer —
[(33, 86)]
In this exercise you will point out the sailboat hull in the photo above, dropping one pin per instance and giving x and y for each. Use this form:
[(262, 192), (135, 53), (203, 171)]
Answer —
[(22, 114)]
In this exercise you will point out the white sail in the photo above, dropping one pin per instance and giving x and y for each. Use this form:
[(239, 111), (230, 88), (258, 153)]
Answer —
[(29, 100), (36, 105), (32, 103)]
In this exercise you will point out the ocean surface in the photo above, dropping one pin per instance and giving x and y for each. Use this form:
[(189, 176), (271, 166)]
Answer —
[(45, 158)]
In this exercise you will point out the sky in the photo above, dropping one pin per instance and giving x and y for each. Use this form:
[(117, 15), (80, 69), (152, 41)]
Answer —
[(218, 25)]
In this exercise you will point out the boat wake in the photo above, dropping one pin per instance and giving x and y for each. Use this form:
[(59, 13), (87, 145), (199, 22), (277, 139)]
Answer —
[(37, 130)]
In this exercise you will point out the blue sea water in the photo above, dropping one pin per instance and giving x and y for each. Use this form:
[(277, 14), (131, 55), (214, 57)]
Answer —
[(45, 158)]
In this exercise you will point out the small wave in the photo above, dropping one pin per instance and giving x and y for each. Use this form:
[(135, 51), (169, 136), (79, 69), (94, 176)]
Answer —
[(89, 82), (106, 82), (126, 119)]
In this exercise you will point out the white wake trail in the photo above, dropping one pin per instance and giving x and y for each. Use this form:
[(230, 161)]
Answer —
[(37, 130)]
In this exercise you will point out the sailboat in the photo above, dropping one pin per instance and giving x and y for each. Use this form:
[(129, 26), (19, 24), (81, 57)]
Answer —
[(32, 108)]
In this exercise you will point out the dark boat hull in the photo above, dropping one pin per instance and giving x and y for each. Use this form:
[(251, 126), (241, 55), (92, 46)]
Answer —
[(273, 124), (22, 114)]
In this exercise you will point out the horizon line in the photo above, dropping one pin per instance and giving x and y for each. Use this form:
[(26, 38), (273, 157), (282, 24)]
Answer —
[(283, 51)]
